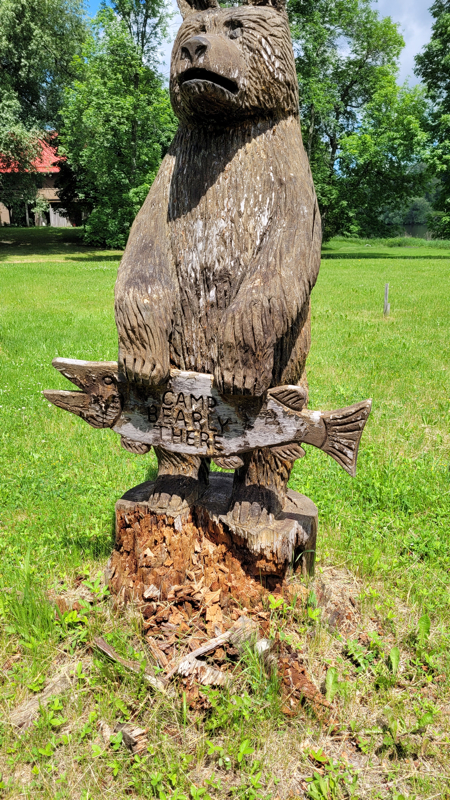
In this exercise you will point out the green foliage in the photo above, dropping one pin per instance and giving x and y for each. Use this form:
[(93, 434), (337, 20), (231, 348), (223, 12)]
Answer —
[(244, 750), (19, 144), (18, 189), (37, 44), (117, 125), (363, 133), (146, 22), (433, 66), (394, 659), (27, 612), (335, 780), (414, 213), (97, 586), (424, 629), (331, 684)]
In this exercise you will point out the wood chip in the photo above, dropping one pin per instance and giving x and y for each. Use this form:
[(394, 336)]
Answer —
[(206, 675), (156, 652), (214, 614), (208, 647), (109, 651), (175, 617), (151, 592), (105, 732), (212, 597), (24, 716), (243, 632), (298, 686), (134, 738)]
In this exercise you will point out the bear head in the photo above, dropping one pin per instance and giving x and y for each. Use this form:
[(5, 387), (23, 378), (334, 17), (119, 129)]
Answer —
[(230, 64)]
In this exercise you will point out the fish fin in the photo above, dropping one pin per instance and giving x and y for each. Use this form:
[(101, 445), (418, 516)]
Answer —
[(344, 430), (137, 448), (292, 397), (228, 462), (288, 452)]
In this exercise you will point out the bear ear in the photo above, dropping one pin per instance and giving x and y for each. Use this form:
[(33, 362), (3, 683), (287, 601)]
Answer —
[(188, 7), (279, 5)]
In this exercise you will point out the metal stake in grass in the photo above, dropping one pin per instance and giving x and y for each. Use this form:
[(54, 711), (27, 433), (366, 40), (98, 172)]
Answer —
[(387, 305)]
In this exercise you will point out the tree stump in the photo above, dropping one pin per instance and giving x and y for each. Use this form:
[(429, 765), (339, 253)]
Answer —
[(198, 558)]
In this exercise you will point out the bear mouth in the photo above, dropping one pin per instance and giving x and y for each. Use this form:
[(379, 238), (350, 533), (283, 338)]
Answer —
[(195, 74)]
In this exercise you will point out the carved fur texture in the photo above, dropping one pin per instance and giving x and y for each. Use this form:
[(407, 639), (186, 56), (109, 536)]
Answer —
[(223, 255), (221, 259)]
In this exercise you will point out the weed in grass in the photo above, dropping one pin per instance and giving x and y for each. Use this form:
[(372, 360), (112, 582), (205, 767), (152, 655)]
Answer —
[(26, 610), (334, 781)]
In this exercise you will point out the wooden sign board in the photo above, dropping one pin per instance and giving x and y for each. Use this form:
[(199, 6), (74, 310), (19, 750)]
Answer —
[(187, 415)]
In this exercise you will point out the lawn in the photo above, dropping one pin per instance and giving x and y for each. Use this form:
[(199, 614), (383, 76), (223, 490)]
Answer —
[(384, 534)]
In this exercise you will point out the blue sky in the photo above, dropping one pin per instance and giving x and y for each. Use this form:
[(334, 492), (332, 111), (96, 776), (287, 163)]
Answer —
[(413, 16)]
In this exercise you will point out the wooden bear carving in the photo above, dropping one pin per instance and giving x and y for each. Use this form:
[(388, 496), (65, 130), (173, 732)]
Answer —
[(221, 259)]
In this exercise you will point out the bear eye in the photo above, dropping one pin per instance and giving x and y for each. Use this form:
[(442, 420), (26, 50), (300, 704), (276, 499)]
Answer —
[(234, 29)]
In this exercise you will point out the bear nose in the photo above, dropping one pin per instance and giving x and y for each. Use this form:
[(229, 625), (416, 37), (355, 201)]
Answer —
[(195, 48)]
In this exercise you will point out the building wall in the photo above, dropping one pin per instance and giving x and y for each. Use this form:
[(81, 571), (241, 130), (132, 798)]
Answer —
[(57, 220), (4, 215)]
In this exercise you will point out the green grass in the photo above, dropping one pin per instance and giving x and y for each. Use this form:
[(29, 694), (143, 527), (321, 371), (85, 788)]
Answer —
[(389, 526), (349, 243), (393, 517)]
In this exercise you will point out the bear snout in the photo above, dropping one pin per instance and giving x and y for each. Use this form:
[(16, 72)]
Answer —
[(213, 58), (195, 48)]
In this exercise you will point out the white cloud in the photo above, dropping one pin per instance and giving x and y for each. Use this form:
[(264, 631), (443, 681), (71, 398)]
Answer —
[(415, 25)]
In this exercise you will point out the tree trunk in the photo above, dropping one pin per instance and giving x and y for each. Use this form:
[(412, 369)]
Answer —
[(199, 555)]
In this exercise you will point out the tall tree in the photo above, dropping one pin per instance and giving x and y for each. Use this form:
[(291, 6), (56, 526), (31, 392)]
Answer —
[(38, 40), (362, 132), (433, 66), (117, 123), (146, 22)]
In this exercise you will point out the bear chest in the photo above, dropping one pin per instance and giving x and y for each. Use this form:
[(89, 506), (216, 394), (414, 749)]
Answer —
[(219, 213)]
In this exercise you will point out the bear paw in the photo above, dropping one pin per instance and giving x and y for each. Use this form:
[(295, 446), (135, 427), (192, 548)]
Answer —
[(173, 494), (144, 371)]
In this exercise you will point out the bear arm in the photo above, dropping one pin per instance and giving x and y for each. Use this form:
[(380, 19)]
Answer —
[(146, 289), (269, 300)]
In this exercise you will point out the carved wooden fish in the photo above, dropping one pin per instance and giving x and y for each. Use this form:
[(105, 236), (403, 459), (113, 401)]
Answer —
[(188, 415)]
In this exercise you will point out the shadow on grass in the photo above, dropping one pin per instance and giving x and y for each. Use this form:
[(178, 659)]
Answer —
[(95, 257), (49, 241), (64, 252), (370, 256)]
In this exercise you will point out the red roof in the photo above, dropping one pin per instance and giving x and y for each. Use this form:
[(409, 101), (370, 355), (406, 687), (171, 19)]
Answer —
[(46, 163)]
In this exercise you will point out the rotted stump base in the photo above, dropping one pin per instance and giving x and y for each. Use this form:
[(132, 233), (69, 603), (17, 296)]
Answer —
[(201, 559)]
